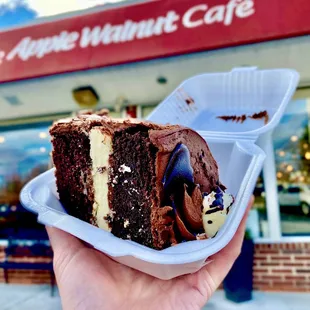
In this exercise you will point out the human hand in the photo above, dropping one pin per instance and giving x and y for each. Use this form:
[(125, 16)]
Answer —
[(88, 279)]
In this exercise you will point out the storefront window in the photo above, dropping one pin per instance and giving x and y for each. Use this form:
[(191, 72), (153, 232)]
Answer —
[(23, 155), (292, 162), (292, 154)]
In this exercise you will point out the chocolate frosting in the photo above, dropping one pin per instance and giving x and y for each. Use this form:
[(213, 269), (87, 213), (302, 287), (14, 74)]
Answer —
[(205, 169), (181, 192), (186, 151)]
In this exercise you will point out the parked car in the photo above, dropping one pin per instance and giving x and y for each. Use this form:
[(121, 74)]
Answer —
[(295, 196)]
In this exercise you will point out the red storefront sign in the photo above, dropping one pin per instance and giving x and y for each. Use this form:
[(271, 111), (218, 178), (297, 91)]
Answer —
[(146, 30)]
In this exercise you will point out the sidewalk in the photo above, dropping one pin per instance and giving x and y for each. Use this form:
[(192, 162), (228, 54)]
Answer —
[(29, 297), (262, 300)]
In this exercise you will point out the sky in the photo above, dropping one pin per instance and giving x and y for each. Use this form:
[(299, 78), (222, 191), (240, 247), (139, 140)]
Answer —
[(17, 12)]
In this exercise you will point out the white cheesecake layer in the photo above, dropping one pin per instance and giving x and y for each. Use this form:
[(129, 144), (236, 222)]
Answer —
[(100, 150)]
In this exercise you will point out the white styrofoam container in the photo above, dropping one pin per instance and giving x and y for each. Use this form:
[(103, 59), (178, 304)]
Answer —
[(233, 146)]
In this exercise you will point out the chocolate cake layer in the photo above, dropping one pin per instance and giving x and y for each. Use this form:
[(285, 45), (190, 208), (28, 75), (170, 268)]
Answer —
[(133, 185), (74, 180)]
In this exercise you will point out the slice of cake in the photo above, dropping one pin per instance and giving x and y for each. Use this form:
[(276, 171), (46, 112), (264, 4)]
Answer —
[(153, 184)]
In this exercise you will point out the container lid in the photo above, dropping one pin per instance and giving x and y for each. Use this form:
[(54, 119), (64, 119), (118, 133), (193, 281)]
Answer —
[(241, 104)]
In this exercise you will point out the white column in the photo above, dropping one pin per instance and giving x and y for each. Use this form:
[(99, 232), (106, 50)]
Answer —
[(308, 111), (139, 112), (271, 189)]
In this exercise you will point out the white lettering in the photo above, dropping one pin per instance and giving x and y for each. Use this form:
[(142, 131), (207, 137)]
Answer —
[(64, 42), (141, 30), (126, 29), (158, 28), (215, 14), (145, 29), (132, 31), (55, 44), (230, 10), (116, 33), (106, 34), (92, 37), (70, 42), (129, 30), (44, 46), (188, 21), (171, 18), (27, 47), (200, 14), (245, 9), (19, 49), (29, 51)]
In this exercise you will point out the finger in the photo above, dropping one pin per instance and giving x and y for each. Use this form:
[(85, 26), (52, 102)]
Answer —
[(223, 260), (62, 241)]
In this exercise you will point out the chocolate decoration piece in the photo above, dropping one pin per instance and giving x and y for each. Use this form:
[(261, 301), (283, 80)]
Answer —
[(222, 187), (179, 169), (197, 197), (192, 208), (182, 228)]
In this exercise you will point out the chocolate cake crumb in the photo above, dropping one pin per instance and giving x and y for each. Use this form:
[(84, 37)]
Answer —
[(260, 115), (101, 169), (240, 119), (184, 96), (189, 101), (234, 118), (102, 112)]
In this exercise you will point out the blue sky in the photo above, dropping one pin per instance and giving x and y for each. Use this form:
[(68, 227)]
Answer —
[(17, 12), (14, 15)]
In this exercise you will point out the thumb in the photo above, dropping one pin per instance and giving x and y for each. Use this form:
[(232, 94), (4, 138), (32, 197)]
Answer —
[(62, 241), (64, 246)]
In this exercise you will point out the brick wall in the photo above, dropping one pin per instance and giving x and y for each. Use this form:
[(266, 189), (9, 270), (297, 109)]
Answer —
[(26, 276), (282, 267), (277, 267)]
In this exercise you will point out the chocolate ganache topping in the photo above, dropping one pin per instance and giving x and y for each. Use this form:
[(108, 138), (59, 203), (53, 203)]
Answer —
[(183, 194), (197, 215)]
